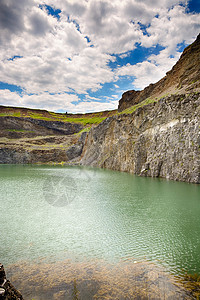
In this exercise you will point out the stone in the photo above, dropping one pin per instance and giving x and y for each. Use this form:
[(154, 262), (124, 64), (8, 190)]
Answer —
[(7, 290), (158, 140)]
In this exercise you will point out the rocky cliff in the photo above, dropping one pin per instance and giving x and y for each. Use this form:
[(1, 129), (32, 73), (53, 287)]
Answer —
[(183, 78), (7, 290), (28, 140), (45, 149), (17, 127), (156, 131), (39, 136), (158, 140)]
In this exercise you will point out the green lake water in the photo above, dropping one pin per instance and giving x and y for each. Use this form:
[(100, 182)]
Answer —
[(52, 214)]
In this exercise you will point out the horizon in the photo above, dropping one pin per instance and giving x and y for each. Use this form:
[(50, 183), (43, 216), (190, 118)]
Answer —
[(81, 57), (65, 112)]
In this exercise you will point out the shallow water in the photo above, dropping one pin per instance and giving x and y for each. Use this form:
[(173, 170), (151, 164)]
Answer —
[(95, 279), (84, 214)]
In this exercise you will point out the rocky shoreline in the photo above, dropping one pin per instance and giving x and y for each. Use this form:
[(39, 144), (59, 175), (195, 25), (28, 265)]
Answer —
[(7, 290)]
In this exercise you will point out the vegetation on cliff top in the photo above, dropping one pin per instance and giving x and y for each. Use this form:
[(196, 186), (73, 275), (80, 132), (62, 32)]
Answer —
[(147, 101), (133, 108), (87, 129), (84, 119)]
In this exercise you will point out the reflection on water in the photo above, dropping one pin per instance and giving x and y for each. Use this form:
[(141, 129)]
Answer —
[(96, 279)]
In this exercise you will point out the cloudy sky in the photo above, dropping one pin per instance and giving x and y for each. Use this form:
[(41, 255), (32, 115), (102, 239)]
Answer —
[(80, 56)]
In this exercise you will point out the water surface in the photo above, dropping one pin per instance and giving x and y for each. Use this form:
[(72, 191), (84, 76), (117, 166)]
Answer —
[(83, 214)]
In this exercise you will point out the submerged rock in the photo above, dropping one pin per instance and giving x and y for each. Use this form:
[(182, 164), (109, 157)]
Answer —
[(67, 280)]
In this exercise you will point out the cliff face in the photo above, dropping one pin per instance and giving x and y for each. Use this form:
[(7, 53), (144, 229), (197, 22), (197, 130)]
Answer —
[(49, 149), (39, 136), (158, 140), (13, 127), (27, 140), (184, 77)]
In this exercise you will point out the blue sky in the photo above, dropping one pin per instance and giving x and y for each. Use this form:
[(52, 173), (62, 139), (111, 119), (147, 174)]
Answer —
[(80, 56)]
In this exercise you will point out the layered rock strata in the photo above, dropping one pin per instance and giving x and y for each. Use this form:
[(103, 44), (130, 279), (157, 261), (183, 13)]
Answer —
[(52, 149), (159, 140), (18, 127)]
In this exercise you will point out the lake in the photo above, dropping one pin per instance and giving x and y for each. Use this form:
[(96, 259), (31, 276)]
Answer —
[(91, 223)]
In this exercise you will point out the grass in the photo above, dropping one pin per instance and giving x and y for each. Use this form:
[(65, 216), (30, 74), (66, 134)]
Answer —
[(87, 129), (145, 102), (95, 118), (86, 120), (75, 293), (133, 108), (12, 114), (19, 130)]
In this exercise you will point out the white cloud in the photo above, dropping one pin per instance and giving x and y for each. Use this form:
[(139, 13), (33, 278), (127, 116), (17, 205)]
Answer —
[(9, 98), (41, 101), (70, 54), (149, 71), (43, 67), (38, 23), (158, 4), (12, 15), (93, 106), (172, 27), (139, 11), (57, 102)]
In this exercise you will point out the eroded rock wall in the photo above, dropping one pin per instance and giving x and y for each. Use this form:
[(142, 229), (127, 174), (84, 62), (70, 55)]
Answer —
[(49, 149), (158, 140), (18, 127)]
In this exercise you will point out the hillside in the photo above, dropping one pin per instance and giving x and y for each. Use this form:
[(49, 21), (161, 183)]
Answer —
[(19, 122), (183, 78), (85, 119), (40, 136)]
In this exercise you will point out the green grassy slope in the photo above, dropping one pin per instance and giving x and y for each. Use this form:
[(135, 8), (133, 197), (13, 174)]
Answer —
[(84, 119)]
